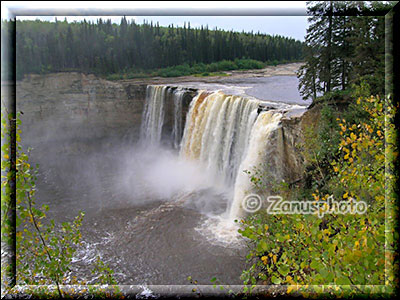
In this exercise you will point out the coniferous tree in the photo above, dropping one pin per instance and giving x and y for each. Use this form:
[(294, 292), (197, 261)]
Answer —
[(104, 48), (345, 44)]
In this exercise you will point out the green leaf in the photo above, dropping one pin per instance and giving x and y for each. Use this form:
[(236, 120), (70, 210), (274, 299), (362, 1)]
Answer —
[(283, 270), (275, 280), (314, 264), (343, 281)]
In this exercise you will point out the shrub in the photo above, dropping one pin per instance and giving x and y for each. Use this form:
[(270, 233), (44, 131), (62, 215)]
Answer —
[(350, 251)]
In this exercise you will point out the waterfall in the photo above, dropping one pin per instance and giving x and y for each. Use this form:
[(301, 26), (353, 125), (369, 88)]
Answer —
[(224, 133), (264, 147), (177, 126), (217, 131), (153, 115), (162, 105)]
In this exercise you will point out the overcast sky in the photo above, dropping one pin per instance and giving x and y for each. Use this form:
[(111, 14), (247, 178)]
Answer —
[(288, 16)]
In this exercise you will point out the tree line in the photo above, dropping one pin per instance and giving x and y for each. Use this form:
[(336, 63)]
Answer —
[(104, 48), (344, 45)]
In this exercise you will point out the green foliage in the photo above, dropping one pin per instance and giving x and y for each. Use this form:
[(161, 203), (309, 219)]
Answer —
[(199, 70), (320, 147), (105, 48), (44, 249), (339, 254), (344, 45), (334, 96)]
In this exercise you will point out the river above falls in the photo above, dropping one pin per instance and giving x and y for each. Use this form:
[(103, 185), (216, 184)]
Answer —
[(278, 91)]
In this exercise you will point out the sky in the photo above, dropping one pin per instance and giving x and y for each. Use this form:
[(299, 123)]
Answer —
[(286, 18)]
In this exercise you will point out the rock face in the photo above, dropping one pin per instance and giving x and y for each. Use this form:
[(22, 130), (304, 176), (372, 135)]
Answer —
[(72, 112), (293, 161), (65, 108)]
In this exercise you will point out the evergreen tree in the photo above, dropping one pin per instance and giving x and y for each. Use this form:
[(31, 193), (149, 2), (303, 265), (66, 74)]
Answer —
[(345, 44)]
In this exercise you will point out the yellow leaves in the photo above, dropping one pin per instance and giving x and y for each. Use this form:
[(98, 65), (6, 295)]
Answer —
[(336, 169), (380, 157), (346, 156), (6, 156), (264, 259), (274, 258), (357, 244), (364, 241), (266, 227), (346, 195), (379, 133), (325, 197), (326, 231), (353, 136)]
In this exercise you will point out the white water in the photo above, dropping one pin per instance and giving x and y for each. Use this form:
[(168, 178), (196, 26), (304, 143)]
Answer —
[(177, 126), (217, 132), (223, 135), (153, 115), (157, 99), (257, 154)]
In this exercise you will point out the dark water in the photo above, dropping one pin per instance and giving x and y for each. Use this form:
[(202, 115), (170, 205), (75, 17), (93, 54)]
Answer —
[(145, 238)]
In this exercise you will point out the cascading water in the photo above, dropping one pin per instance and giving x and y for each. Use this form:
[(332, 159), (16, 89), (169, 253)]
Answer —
[(223, 133), (158, 98), (217, 131), (153, 115), (262, 144), (177, 126)]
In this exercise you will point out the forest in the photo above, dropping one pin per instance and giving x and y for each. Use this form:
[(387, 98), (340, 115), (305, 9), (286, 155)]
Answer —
[(107, 48)]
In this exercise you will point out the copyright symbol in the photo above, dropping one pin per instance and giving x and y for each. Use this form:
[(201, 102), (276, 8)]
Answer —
[(251, 203)]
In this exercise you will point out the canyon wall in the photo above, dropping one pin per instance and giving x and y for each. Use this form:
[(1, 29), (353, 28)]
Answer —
[(67, 110)]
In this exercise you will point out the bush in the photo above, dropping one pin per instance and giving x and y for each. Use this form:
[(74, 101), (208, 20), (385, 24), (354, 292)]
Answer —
[(198, 68), (337, 249)]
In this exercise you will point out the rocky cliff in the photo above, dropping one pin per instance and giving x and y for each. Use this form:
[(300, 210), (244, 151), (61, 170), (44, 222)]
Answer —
[(65, 108)]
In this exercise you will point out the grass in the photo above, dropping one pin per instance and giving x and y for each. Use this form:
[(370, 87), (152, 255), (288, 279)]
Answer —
[(198, 69)]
